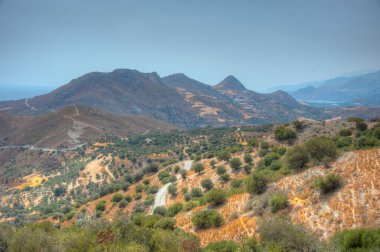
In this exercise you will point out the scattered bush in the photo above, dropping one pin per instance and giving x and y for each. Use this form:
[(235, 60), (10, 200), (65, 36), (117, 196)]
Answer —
[(236, 183), (248, 158), (298, 125), (268, 159), (207, 219), (247, 168), (282, 133), (161, 210), (277, 201), (183, 174), (172, 189), (361, 126), (216, 196), (297, 158), (345, 132), (101, 206), (286, 236), (222, 246), (320, 148), (165, 223), (256, 184), (358, 240), (207, 184), (223, 156), (117, 197), (174, 209), (224, 178), (221, 170), (327, 184), (123, 204), (343, 142), (198, 167), (196, 192), (235, 164)]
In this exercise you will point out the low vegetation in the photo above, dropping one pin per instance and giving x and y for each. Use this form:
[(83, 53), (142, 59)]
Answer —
[(328, 183), (207, 219)]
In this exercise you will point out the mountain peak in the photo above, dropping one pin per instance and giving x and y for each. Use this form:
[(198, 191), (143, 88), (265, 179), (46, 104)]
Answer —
[(230, 83)]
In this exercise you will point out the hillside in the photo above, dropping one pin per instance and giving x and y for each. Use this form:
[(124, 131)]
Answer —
[(176, 99), (178, 171), (357, 90), (71, 126), (41, 143)]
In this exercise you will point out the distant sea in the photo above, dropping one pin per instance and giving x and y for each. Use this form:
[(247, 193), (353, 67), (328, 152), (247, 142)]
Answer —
[(18, 92)]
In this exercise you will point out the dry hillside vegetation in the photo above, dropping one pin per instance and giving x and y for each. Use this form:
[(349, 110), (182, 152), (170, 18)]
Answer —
[(356, 204)]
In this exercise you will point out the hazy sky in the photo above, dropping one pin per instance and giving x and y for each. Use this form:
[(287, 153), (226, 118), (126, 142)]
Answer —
[(262, 43)]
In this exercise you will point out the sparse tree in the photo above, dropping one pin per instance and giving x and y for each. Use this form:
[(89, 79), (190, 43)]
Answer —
[(198, 167)]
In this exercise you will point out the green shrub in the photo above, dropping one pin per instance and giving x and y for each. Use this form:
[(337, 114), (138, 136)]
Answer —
[(236, 183), (198, 167), (128, 198), (224, 178), (153, 189), (247, 168), (117, 197), (139, 188), (264, 145), (320, 148), (235, 164), (174, 209), (248, 158), (196, 192), (165, 223), (207, 184), (223, 156), (365, 142), (161, 210), (183, 174), (358, 240), (222, 246), (276, 165), (282, 133), (123, 203), (207, 219), (327, 184), (163, 176), (101, 206), (277, 202), (268, 159), (216, 196), (343, 142), (282, 233), (298, 125), (221, 170), (345, 132), (297, 158), (172, 189), (361, 126), (256, 184)]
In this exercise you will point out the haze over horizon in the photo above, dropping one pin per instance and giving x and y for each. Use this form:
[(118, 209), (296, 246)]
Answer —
[(263, 44)]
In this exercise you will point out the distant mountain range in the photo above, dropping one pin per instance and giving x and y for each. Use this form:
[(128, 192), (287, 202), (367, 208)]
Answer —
[(176, 99), (357, 90)]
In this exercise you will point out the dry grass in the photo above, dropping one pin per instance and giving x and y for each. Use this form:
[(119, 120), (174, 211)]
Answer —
[(356, 204)]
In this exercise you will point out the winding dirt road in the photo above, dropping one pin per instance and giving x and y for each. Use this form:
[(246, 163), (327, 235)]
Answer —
[(160, 197)]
